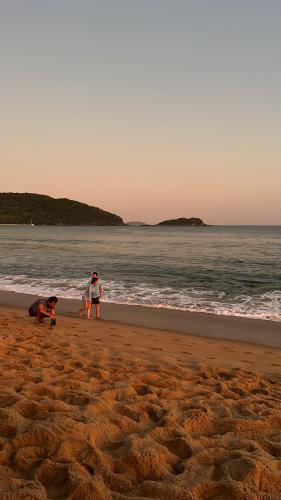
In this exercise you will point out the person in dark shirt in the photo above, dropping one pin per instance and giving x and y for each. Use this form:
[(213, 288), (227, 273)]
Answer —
[(44, 308)]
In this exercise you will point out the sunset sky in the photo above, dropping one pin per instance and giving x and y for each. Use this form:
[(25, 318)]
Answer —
[(151, 109)]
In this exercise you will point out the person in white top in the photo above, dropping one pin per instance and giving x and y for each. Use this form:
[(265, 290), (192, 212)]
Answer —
[(87, 302), (96, 293), (91, 295)]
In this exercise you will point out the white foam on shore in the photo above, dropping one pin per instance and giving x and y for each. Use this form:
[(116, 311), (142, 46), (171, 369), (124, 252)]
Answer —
[(266, 306)]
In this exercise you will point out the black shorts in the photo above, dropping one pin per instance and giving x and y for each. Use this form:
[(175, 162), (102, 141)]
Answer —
[(95, 300)]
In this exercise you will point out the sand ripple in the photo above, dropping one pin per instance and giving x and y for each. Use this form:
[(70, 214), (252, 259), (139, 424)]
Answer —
[(115, 426)]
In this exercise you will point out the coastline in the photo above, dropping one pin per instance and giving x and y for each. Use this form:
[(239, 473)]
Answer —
[(258, 332)]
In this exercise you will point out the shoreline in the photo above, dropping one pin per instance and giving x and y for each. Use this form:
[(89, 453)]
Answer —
[(257, 332)]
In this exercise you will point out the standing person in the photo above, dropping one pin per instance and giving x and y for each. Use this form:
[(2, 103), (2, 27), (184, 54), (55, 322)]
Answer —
[(87, 302), (44, 308), (96, 293)]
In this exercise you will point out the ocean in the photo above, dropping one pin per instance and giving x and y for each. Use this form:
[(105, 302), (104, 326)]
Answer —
[(225, 270)]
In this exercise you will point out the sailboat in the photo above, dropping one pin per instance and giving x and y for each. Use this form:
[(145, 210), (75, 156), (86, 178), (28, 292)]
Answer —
[(31, 223)]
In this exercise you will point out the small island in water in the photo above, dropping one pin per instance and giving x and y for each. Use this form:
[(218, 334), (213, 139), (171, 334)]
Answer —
[(136, 223), (39, 209), (182, 221)]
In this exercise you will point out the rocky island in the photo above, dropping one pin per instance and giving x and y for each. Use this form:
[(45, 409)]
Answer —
[(182, 221), (38, 209)]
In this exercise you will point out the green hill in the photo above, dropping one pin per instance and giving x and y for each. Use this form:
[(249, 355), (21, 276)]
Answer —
[(193, 221), (20, 208)]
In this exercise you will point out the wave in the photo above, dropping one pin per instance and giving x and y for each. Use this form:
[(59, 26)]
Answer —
[(266, 306)]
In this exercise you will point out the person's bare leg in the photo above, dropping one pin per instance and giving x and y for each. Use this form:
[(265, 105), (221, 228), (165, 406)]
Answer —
[(41, 316), (84, 309), (80, 312), (88, 309), (97, 311)]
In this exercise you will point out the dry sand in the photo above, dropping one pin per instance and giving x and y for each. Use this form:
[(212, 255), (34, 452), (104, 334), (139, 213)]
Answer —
[(93, 410)]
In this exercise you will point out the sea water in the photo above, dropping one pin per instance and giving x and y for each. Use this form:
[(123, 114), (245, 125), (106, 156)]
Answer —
[(226, 270)]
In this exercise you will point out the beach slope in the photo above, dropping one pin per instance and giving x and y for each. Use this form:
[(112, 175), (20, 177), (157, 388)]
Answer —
[(98, 410)]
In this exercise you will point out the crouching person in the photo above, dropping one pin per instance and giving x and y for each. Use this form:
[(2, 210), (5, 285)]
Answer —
[(44, 308)]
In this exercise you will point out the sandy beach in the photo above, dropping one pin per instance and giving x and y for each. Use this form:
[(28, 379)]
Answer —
[(102, 410), (140, 185)]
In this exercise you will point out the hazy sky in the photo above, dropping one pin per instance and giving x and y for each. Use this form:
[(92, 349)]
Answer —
[(151, 109)]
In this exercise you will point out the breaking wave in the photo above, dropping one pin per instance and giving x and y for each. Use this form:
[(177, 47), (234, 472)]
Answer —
[(266, 306)]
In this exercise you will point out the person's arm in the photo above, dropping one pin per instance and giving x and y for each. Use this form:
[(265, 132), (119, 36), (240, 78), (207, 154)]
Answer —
[(89, 295), (42, 310), (101, 291)]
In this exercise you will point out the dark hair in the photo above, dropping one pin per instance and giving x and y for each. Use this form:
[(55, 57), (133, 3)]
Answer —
[(53, 299), (94, 280), (95, 272)]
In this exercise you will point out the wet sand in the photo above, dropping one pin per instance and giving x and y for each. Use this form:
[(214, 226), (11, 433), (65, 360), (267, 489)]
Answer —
[(261, 332), (97, 410)]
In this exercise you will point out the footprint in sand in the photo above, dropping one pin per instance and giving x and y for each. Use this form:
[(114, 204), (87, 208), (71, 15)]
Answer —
[(59, 367), (115, 335), (156, 349), (179, 447), (189, 353)]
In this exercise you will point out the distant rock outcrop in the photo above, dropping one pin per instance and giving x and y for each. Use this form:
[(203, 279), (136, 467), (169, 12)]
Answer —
[(22, 208), (136, 223), (182, 221)]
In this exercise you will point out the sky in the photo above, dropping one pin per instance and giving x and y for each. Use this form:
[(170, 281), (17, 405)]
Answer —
[(151, 109)]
